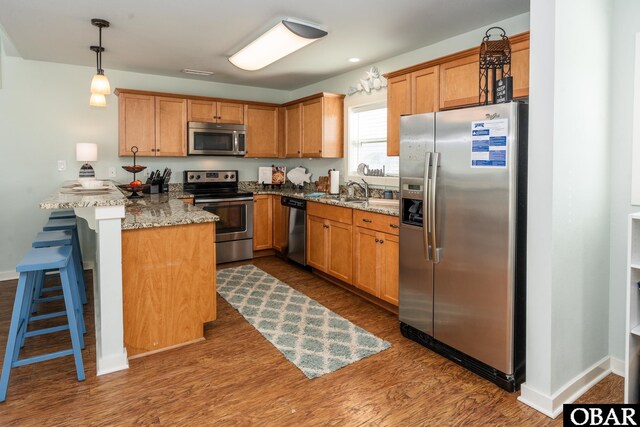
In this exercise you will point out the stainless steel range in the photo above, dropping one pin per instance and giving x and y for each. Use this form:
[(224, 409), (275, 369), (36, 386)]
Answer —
[(216, 191)]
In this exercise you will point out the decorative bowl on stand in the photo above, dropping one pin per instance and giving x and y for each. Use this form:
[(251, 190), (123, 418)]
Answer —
[(134, 169)]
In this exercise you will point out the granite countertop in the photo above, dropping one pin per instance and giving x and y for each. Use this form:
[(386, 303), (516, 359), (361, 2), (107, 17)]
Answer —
[(333, 200), (152, 210), (68, 197), (163, 210)]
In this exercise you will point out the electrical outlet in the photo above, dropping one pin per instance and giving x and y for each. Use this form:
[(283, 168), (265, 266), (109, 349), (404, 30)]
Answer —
[(62, 165), (112, 172)]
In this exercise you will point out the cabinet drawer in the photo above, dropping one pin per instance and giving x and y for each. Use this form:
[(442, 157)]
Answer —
[(385, 223), (334, 213)]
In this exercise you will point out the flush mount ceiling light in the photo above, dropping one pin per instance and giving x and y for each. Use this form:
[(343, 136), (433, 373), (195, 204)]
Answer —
[(100, 84), (281, 40), (197, 72), (353, 60)]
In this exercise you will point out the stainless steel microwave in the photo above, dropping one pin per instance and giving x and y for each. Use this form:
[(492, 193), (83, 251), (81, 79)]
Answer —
[(216, 139)]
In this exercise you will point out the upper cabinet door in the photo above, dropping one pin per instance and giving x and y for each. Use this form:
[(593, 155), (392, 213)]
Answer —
[(459, 82), (425, 92), (136, 124), (293, 130), (398, 103), (202, 111), (520, 68), (312, 128), (262, 131), (230, 112), (171, 126)]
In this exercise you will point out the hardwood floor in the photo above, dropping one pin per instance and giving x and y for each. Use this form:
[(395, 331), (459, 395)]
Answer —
[(236, 377)]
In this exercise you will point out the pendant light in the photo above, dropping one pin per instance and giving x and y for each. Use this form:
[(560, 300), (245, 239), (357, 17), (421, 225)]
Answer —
[(100, 84)]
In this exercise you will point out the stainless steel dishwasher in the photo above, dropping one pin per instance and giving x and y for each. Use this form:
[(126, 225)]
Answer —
[(296, 226)]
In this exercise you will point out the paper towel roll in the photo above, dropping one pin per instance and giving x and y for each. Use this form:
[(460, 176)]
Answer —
[(335, 182)]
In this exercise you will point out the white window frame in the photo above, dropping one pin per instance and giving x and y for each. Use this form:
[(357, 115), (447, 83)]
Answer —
[(378, 101)]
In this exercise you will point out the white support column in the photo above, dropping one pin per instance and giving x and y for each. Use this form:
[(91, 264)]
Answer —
[(111, 355)]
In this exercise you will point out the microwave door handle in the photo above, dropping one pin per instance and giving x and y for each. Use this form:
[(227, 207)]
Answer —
[(432, 207), (235, 142), (425, 205)]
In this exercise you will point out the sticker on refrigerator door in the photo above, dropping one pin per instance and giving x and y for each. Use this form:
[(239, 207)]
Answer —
[(489, 143)]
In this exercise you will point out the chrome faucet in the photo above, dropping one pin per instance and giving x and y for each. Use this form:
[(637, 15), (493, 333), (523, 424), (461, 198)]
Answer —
[(364, 187)]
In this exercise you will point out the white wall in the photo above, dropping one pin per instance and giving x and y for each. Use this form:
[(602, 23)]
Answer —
[(340, 84), (568, 272), (625, 25)]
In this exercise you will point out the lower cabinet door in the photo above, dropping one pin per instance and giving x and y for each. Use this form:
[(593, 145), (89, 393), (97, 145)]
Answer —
[(365, 264), (316, 243), (278, 224), (340, 262), (262, 222), (389, 262)]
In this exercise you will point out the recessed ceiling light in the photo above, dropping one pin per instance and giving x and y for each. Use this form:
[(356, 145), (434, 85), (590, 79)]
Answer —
[(354, 59), (197, 72)]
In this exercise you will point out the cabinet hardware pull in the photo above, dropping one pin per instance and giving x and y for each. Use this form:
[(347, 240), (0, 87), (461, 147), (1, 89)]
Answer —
[(366, 220), (325, 225), (381, 241), (157, 149), (377, 240), (394, 226), (153, 149)]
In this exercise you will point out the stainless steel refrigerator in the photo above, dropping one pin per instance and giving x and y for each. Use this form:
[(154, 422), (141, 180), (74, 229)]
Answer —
[(463, 236)]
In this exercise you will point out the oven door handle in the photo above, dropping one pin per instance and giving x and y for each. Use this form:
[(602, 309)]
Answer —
[(238, 199)]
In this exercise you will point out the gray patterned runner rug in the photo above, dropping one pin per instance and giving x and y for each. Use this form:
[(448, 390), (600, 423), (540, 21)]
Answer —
[(311, 336)]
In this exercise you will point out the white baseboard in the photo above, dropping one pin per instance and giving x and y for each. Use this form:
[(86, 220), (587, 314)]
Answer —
[(617, 366), (12, 274), (551, 406)]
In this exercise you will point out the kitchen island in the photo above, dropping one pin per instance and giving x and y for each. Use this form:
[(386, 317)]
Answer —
[(110, 214)]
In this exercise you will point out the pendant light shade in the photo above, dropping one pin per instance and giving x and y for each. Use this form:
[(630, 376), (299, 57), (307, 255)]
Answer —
[(100, 84), (283, 39), (98, 100)]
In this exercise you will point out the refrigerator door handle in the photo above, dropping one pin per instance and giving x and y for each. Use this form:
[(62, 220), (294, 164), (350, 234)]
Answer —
[(426, 228), (432, 207)]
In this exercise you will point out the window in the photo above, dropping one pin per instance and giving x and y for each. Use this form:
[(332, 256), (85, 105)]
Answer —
[(368, 143)]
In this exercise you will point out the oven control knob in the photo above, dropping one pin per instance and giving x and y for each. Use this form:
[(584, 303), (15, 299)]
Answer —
[(190, 176), (233, 176), (197, 176), (226, 177)]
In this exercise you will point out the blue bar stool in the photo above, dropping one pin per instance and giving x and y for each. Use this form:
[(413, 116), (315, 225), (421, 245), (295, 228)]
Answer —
[(62, 213), (31, 269), (46, 239), (70, 224)]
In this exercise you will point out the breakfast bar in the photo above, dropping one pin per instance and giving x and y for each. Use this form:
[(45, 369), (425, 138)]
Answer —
[(108, 212)]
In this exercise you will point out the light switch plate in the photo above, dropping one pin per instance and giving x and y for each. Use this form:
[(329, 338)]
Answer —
[(112, 172), (62, 165)]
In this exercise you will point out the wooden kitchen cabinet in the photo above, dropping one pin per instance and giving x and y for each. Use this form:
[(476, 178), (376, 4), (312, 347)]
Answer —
[(314, 126), (398, 103), (376, 254), (279, 224), (459, 82), (156, 125), (375, 263), (316, 242), (262, 222), (520, 68), (293, 130), (136, 124), (262, 130), (171, 127), (216, 112), (330, 241), (412, 93)]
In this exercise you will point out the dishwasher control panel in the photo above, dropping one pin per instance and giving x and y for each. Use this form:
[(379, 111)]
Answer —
[(294, 203)]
